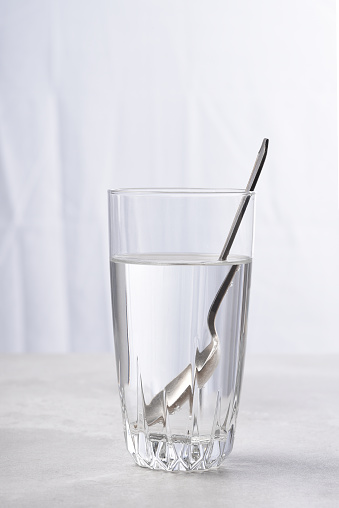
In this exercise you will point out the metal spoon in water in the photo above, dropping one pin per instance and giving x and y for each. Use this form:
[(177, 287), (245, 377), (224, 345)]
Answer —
[(179, 390)]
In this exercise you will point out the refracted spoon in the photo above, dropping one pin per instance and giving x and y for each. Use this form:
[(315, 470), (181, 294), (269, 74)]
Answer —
[(179, 390)]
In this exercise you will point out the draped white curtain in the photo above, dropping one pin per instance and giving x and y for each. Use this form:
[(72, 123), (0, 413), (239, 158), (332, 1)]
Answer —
[(98, 94)]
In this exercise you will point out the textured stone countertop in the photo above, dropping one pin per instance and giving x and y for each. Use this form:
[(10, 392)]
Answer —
[(62, 444)]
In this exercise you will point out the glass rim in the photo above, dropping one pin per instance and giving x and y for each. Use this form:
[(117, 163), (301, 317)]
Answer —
[(180, 191)]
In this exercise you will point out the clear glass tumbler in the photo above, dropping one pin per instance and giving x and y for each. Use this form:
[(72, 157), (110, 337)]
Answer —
[(179, 383)]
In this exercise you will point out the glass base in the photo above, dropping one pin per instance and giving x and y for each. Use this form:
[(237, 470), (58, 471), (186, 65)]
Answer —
[(178, 453)]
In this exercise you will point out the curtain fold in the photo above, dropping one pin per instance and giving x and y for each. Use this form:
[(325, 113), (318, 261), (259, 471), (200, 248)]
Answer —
[(105, 94)]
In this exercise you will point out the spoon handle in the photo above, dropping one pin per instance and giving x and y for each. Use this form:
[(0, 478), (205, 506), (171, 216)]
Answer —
[(259, 163)]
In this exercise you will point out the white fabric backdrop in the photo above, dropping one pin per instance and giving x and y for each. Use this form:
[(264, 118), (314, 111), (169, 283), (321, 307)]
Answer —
[(107, 93)]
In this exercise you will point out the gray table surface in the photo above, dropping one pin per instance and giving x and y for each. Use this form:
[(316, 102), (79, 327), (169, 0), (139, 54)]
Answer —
[(61, 438)]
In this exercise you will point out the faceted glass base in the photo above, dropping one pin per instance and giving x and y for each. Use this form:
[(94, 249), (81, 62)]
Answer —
[(179, 453)]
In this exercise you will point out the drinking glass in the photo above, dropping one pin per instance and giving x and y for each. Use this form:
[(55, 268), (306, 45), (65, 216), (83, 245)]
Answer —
[(178, 415)]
